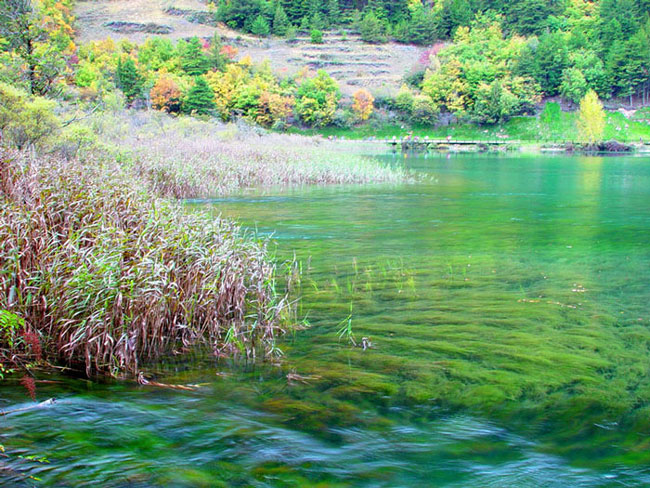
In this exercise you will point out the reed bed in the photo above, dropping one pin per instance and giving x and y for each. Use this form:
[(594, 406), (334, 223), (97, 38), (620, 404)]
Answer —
[(108, 276), (189, 158)]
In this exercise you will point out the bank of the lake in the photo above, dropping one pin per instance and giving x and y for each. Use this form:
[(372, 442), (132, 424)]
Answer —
[(551, 126)]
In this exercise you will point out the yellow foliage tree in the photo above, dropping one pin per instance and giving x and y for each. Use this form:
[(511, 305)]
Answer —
[(363, 104), (591, 119), (274, 107), (225, 86)]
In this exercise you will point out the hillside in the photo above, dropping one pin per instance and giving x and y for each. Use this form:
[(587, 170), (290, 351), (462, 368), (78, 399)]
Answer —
[(353, 63)]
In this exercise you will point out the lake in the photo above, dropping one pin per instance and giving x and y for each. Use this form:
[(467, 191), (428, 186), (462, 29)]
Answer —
[(505, 301)]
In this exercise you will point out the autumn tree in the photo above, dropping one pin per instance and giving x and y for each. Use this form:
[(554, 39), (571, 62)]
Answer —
[(317, 99), (363, 104), (24, 29), (591, 119), (166, 95), (274, 109)]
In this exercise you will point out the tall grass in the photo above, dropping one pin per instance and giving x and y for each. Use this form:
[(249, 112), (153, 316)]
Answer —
[(189, 158), (109, 276)]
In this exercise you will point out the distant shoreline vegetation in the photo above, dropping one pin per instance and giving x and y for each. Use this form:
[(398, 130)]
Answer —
[(487, 63)]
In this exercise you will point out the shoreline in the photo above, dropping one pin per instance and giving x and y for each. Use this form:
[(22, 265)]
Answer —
[(480, 147)]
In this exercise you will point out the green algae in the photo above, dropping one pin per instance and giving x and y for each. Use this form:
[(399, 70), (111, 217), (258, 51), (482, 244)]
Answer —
[(494, 292)]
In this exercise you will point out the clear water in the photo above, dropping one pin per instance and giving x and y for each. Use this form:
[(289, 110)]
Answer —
[(507, 302)]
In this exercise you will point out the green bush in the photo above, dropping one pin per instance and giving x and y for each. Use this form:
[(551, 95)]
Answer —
[(26, 120), (316, 36)]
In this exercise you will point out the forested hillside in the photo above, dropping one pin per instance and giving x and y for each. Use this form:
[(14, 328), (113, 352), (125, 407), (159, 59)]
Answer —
[(483, 62), (566, 47)]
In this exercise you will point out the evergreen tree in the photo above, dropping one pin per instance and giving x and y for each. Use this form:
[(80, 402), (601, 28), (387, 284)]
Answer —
[(260, 27), (295, 9), (281, 22), (215, 56), (317, 22), (193, 61), (528, 16), (627, 66), (313, 8), (333, 11), (454, 13), (305, 24), (421, 29), (200, 98), (550, 60), (371, 28), (128, 79)]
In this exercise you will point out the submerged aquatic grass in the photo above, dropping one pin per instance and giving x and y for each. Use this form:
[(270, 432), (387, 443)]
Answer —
[(110, 277)]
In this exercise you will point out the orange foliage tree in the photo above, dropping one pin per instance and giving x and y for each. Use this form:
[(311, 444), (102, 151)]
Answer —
[(166, 95), (363, 104)]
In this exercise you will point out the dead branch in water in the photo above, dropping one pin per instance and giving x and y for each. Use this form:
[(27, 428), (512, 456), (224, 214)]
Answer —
[(46, 403)]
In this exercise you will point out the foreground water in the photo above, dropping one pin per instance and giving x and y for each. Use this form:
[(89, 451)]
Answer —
[(507, 302)]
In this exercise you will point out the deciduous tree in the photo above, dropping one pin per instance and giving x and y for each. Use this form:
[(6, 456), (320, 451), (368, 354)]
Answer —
[(363, 104), (591, 118)]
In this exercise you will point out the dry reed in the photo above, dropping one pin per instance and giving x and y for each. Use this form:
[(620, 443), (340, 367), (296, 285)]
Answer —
[(109, 276), (190, 158)]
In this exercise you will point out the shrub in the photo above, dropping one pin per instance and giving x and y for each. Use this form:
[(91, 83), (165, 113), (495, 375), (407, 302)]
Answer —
[(404, 100), (424, 110), (26, 120), (316, 36)]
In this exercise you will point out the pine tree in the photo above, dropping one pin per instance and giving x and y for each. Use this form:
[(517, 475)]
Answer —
[(260, 27), (193, 61), (128, 79), (281, 22), (295, 9), (313, 8), (333, 11), (317, 22), (371, 28), (217, 59), (200, 98)]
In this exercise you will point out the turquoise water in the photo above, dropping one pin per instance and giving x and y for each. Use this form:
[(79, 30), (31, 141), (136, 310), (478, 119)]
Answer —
[(506, 300)]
